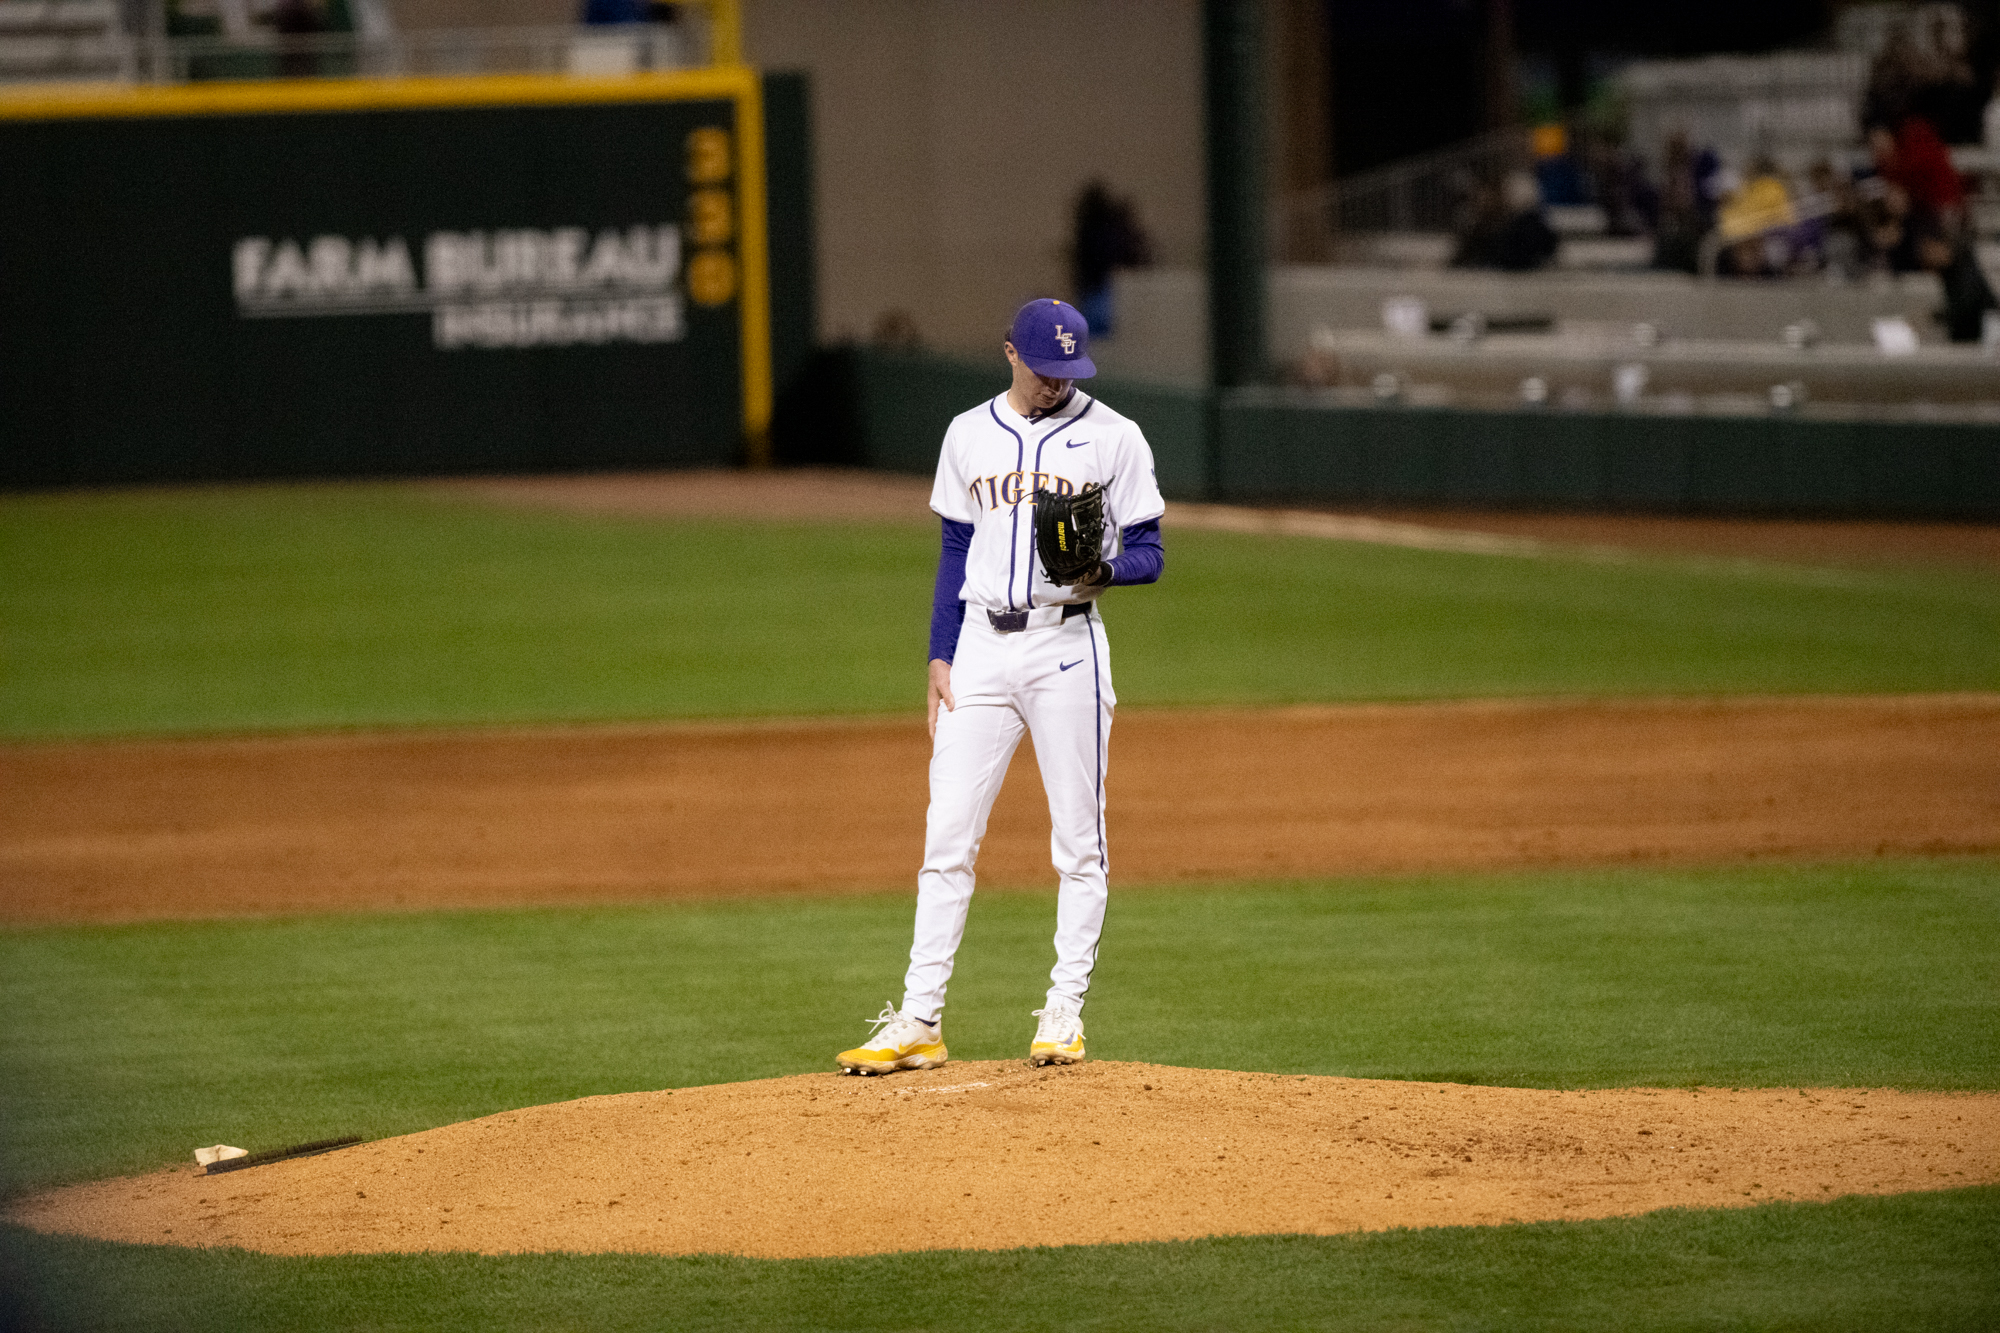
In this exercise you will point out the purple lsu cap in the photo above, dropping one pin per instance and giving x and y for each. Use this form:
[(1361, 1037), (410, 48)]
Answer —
[(1053, 337)]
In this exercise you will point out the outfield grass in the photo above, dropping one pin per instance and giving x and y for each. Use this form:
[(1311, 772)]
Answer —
[(126, 1046), (297, 607), (1923, 1261)]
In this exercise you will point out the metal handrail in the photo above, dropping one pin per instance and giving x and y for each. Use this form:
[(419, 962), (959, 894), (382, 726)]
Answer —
[(709, 33), (1420, 193), (440, 51)]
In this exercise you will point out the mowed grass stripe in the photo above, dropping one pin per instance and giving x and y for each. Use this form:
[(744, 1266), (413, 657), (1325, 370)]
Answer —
[(128, 1046), (1908, 1262), (323, 606)]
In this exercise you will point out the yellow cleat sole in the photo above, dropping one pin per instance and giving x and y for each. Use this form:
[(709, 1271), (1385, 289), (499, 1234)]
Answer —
[(1054, 1056), (865, 1061)]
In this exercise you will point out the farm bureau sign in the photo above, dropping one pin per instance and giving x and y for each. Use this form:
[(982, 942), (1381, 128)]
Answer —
[(510, 288)]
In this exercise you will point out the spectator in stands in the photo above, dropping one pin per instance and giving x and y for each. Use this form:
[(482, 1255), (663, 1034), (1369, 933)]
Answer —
[(1558, 174), (1967, 294), (1898, 71), (612, 12), (1687, 204), (1915, 160), (1948, 95), (1883, 209), (651, 37), (1765, 229), (1506, 229), (1844, 246), (297, 18), (1924, 197), (1925, 69), (1108, 237), (1621, 187)]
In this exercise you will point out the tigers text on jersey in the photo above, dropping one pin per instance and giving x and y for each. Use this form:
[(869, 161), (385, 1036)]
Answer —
[(993, 461)]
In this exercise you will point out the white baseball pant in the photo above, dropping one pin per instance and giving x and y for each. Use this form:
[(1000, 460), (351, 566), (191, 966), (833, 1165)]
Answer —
[(1052, 680)]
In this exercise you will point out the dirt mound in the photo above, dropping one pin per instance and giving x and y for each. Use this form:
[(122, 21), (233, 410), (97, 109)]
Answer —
[(994, 1155), (121, 831)]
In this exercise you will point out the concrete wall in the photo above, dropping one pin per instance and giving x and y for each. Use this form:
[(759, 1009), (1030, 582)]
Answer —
[(953, 136), (1162, 334)]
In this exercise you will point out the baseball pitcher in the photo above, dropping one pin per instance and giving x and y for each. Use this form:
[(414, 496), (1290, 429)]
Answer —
[(1046, 498)]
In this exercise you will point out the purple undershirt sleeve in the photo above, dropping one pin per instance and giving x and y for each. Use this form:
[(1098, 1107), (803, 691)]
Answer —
[(947, 611), (1143, 557)]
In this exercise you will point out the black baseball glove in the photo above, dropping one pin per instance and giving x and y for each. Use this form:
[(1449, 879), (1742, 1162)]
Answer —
[(1069, 534)]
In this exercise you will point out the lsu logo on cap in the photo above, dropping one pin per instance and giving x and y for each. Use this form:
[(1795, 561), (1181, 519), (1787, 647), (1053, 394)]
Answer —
[(1052, 339)]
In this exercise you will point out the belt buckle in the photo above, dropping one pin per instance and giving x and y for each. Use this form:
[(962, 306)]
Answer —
[(1008, 622)]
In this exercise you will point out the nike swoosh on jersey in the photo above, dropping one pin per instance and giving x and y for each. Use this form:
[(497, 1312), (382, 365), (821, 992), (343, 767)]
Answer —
[(1064, 666), (1076, 444)]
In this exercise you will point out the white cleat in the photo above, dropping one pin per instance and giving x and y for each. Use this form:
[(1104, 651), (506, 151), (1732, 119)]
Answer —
[(1058, 1038), (902, 1042)]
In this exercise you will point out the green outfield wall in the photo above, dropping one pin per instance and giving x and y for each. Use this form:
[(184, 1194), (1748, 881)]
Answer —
[(1280, 445), (1291, 447), (869, 407), (341, 277)]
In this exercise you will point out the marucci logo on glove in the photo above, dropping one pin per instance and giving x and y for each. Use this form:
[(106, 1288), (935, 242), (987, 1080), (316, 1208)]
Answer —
[(1069, 533)]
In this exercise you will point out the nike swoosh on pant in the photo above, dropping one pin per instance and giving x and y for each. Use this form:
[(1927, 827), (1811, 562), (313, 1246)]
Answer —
[(1064, 666)]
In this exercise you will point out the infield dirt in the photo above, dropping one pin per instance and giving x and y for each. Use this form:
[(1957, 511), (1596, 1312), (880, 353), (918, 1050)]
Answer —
[(124, 831), (993, 1155)]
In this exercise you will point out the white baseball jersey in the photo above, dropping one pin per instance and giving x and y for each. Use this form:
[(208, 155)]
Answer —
[(993, 461)]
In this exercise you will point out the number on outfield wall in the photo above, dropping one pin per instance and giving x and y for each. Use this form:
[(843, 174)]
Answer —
[(711, 218), (708, 155)]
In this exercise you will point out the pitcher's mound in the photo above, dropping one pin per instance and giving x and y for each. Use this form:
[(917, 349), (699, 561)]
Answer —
[(993, 1155)]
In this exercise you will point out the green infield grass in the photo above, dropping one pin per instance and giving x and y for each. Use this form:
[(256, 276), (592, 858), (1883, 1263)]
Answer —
[(129, 1045), (1913, 1261), (319, 606)]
